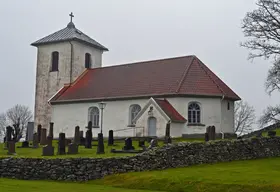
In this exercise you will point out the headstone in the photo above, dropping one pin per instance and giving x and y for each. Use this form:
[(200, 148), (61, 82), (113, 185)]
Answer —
[(11, 148), (213, 132), (128, 144), (72, 149), (29, 131), (100, 147), (25, 144), (88, 144), (39, 130), (271, 133), (61, 144), (77, 135), (43, 140), (111, 138), (167, 140), (82, 139), (35, 140), (9, 131), (51, 130), (141, 143), (48, 150), (206, 137), (167, 130), (154, 143)]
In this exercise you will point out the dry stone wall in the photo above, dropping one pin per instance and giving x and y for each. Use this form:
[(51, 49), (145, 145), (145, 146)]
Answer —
[(169, 156)]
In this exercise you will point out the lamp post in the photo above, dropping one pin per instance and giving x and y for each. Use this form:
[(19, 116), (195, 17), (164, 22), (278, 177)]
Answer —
[(102, 106), (100, 148)]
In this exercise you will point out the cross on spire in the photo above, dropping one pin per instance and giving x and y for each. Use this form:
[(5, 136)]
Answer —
[(71, 16)]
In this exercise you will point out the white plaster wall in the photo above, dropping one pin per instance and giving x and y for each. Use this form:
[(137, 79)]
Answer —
[(48, 83), (210, 112), (227, 117), (116, 116)]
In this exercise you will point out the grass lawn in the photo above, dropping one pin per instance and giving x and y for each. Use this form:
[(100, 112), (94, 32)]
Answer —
[(37, 153), (261, 175)]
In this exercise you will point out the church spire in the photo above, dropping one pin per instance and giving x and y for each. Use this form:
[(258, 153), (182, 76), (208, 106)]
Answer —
[(71, 24)]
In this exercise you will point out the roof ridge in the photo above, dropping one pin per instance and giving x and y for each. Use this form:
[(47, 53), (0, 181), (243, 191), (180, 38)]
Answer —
[(144, 62), (185, 74), (200, 64)]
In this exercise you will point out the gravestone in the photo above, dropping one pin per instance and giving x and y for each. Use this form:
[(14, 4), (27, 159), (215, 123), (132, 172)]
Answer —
[(141, 143), (206, 137), (61, 144), (128, 144), (88, 144), (29, 131), (77, 135), (167, 140), (39, 130), (213, 132), (72, 149), (11, 148), (82, 139), (154, 143), (35, 140), (48, 150), (271, 133), (111, 138), (167, 129), (43, 140), (51, 130), (100, 147), (9, 131), (25, 144)]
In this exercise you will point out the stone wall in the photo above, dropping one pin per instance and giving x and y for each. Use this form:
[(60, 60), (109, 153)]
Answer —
[(169, 156)]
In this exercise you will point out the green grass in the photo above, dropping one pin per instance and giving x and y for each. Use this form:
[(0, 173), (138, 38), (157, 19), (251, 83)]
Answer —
[(37, 153), (265, 134), (244, 176), (248, 176)]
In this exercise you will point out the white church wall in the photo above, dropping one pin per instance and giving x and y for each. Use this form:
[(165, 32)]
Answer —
[(210, 112), (227, 116), (116, 116), (176, 129)]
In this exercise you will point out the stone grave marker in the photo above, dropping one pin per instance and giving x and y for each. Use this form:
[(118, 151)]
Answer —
[(100, 147), (271, 133), (35, 141), (9, 131), (154, 143), (141, 143), (77, 135), (111, 138), (48, 150), (82, 139), (128, 144), (25, 144), (43, 140), (29, 131), (11, 148), (213, 132), (72, 149), (206, 137), (51, 130), (88, 144), (61, 144), (39, 130)]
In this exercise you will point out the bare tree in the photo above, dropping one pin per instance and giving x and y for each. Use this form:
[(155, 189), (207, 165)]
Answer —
[(244, 117), (262, 28), (270, 115), (3, 125), (19, 116)]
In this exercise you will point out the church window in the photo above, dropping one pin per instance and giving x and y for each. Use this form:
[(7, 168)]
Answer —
[(55, 59), (87, 60), (228, 105), (94, 116), (194, 113), (133, 111)]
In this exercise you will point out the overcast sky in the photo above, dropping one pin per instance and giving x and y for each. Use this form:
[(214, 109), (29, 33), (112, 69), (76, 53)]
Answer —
[(133, 31)]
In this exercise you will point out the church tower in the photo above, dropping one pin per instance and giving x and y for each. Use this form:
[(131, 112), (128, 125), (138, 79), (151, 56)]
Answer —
[(61, 58)]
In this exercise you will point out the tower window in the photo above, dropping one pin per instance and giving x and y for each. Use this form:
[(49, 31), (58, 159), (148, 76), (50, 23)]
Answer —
[(55, 59), (228, 105), (87, 60)]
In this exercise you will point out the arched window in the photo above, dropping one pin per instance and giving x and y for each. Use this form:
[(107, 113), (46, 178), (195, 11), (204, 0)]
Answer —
[(133, 111), (55, 59), (87, 60), (194, 113), (94, 116)]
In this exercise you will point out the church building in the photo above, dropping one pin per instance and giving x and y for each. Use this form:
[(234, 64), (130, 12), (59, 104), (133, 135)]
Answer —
[(134, 99)]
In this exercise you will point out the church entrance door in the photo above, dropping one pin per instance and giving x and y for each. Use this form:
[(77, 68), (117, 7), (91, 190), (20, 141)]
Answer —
[(152, 126)]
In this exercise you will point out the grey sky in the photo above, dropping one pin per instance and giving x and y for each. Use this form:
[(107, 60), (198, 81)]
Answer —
[(133, 31)]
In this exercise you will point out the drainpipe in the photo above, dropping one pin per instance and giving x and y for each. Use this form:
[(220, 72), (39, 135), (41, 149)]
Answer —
[(71, 62), (223, 135)]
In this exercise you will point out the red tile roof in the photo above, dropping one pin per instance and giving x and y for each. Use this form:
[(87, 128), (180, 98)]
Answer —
[(170, 111), (180, 76)]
